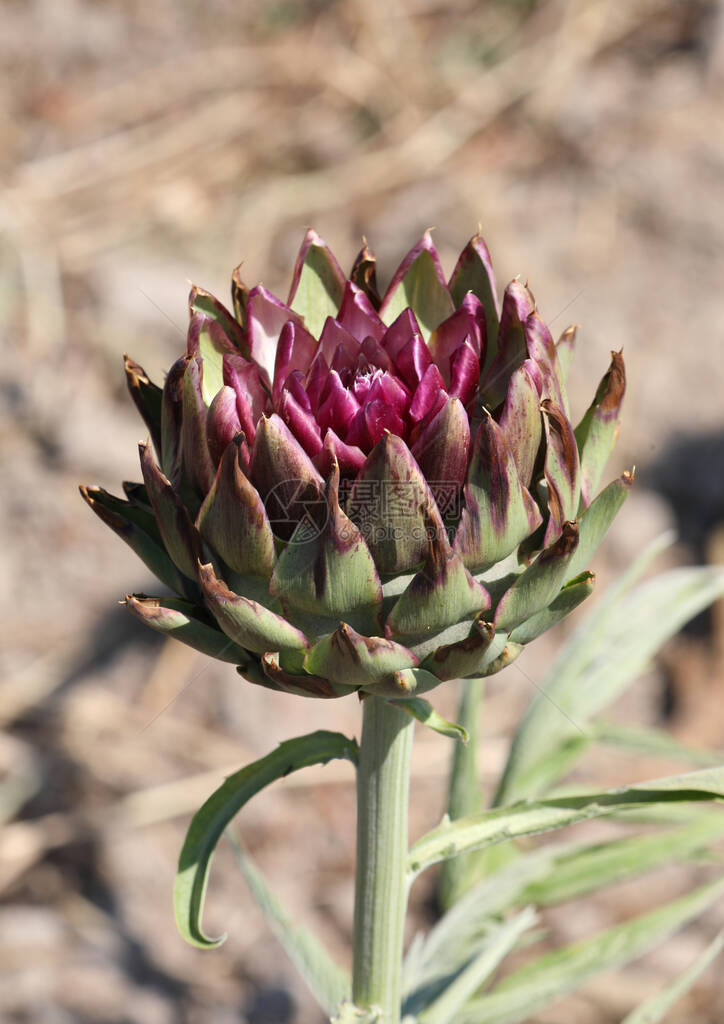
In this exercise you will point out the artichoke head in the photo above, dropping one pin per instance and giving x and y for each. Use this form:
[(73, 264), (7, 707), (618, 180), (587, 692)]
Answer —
[(352, 493)]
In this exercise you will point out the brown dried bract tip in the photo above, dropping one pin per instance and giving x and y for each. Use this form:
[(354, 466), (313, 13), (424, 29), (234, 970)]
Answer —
[(613, 385), (565, 545), (364, 274), (134, 371)]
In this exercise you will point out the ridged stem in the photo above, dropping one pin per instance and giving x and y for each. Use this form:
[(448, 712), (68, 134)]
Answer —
[(383, 780)]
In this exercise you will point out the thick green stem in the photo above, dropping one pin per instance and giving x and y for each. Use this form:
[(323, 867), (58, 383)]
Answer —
[(383, 780)]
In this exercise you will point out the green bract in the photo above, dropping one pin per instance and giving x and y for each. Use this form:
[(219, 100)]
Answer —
[(352, 493)]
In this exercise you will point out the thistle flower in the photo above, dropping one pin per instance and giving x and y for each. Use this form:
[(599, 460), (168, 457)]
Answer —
[(353, 493)]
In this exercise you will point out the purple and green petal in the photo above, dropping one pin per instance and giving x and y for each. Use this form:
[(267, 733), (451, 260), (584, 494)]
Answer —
[(138, 529), (286, 479), (197, 462), (499, 513), (441, 594), (468, 656), (357, 660), (317, 284), (539, 584), (565, 348), (172, 518), (147, 398), (208, 344), (233, 521), (330, 575), (474, 273), (302, 684), (419, 283), (562, 470), (441, 451), (512, 348), (391, 503), (246, 622), (566, 601), (222, 423), (521, 422), (266, 316), (172, 402), (597, 432), (542, 351), (594, 522), (204, 302), (181, 620)]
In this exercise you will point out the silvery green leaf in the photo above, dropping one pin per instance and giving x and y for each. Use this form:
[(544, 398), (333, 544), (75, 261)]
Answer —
[(465, 795), (528, 818), (329, 983), (540, 983), (657, 1006), (609, 650), (655, 742), (498, 943)]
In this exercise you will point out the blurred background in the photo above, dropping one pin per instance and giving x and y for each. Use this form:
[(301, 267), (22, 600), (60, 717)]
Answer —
[(146, 145)]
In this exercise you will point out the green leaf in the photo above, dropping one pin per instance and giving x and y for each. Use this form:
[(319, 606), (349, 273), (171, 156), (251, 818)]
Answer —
[(654, 742), (580, 869), (465, 796), (425, 713), (657, 1006), (212, 818), (499, 942), (528, 818), (608, 652), (540, 983), (553, 874), (329, 983)]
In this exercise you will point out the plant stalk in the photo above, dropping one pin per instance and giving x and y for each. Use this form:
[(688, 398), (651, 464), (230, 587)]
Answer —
[(383, 782)]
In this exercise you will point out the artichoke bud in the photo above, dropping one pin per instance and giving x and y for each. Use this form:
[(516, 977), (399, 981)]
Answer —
[(365, 491)]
